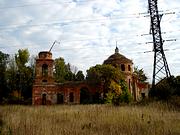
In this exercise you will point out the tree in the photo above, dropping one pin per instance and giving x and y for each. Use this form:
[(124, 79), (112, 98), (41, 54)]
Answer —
[(70, 72), (79, 76), (140, 74), (166, 88), (63, 71), (119, 95), (60, 70), (24, 74), (11, 75), (177, 86), (3, 84), (107, 76), (22, 57)]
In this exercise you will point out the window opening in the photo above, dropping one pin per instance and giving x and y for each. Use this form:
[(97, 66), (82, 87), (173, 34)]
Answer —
[(45, 70), (44, 99), (71, 97), (123, 67)]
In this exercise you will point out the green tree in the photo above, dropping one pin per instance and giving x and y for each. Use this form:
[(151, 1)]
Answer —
[(3, 84), (11, 75), (19, 76), (60, 70), (125, 96), (63, 71), (107, 76), (79, 76), (70, 72), (166, 88), (140, 74), (119, 95), (177, 86), (22, 58), (24, 74)]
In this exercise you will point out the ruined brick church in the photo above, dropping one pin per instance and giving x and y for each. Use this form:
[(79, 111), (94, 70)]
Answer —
[(46, 91)]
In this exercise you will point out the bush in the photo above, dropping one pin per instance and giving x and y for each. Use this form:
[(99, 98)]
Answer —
[(125, 97), (166, 88), (114, 98)]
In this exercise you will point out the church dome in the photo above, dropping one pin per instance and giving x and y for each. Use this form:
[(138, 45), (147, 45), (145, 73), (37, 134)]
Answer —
[(117, 59)]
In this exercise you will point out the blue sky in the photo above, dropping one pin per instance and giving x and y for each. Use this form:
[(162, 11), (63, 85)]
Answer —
[(88, 30)]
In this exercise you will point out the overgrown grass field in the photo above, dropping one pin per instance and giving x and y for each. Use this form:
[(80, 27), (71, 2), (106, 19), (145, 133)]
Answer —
[(153, 119)]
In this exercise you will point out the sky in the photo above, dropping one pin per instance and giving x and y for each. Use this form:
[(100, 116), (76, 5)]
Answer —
[(87, 31)]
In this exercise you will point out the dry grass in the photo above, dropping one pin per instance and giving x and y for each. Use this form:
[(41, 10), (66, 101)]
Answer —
[(154, 119)]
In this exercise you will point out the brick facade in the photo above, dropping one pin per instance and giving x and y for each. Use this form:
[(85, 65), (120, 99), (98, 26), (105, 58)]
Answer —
[(47, 91)]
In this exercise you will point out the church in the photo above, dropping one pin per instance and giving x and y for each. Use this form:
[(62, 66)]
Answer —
[(46, 91)]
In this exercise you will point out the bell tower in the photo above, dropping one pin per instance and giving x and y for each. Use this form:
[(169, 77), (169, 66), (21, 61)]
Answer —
[(44, 68), (43, 87)]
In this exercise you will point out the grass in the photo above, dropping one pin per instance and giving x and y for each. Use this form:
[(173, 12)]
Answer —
[(153, 119)]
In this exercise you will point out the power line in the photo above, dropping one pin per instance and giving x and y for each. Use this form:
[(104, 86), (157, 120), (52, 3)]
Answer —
[(79, 47), (78, 20), (41, 4), (66, 22), (94, 39)]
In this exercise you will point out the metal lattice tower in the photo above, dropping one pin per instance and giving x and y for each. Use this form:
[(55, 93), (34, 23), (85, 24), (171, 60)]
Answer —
[(160, 68)]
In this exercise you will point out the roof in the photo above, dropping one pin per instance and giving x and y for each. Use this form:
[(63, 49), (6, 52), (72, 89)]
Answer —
[(117, 58)]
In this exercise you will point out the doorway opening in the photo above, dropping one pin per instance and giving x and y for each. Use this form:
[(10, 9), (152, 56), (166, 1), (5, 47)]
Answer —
[(44, 99)]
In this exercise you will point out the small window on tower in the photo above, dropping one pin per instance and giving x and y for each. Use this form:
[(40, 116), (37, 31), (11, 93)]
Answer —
[(44, 70), (129, 68), (123, 67), (44, 81)]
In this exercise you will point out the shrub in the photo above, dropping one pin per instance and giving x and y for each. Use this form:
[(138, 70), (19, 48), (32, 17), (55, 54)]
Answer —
[(166, 88), (115, 98)]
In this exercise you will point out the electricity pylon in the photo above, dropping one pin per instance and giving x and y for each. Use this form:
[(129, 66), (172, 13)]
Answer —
[(160, 67)]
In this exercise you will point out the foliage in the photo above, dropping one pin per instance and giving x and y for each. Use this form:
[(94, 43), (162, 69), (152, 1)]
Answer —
[(60, 69), (114, 87), (113, 94), (11, 75), (125, 96), (103, 75), (119, 95), (140, 74), (22, 57), (79, 76), (3, 83), (24, 74), (18, 76), (177, 85), (166, 88), (110, 98), (65, 72)]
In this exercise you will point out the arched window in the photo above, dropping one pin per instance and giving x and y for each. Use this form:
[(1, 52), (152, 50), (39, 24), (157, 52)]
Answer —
[(71, 97), (45, 70), (129, 68), (123, 67)]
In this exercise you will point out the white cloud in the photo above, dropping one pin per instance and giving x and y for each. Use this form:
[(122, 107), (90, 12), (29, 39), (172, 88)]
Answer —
[(88, 30)]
